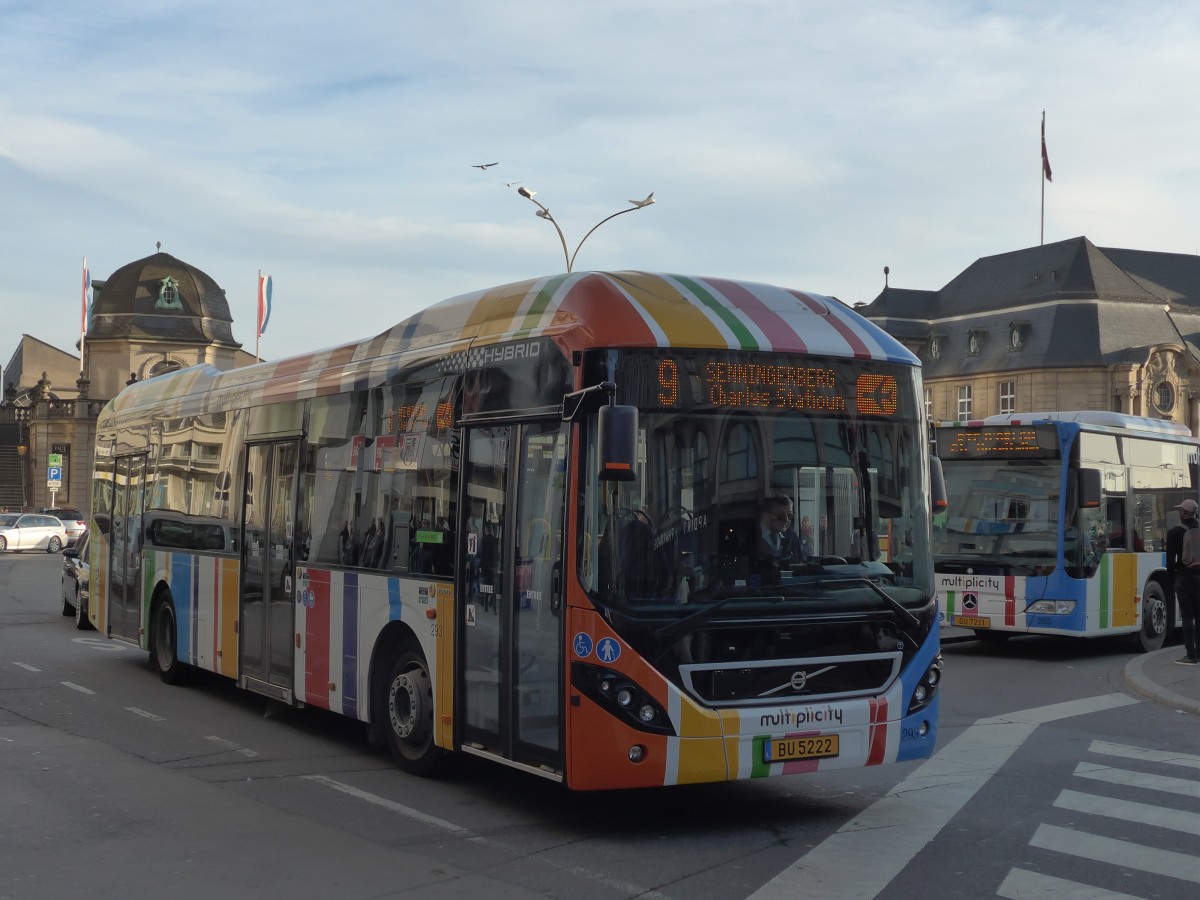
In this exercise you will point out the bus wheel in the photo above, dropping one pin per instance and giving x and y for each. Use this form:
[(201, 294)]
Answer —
[(410, 713), (1154, 618), (163, 633)]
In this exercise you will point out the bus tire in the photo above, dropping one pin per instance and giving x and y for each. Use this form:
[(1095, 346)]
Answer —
[(163, 637), (408, 711), (1154, 618)]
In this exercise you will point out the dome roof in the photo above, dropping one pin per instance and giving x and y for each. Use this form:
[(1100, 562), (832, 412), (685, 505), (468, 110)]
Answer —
[(161, 297)]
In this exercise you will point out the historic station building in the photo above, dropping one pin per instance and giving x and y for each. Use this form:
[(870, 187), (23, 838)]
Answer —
[(1067, 325), (151, 316)]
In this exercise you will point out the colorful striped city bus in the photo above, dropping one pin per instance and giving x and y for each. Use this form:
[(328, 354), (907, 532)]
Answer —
[(524, 524), (1058, 522)]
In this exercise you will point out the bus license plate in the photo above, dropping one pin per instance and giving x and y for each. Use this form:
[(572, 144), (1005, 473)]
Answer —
[(792, 748), (973, 622)]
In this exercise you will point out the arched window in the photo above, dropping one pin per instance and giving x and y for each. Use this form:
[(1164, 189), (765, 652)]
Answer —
[(163, 367), (741, 454)]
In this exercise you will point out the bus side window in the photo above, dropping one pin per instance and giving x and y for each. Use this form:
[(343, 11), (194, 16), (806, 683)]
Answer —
[(1114, 514)]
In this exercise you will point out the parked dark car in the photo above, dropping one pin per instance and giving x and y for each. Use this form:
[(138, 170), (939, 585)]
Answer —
[(72, 520), (75, 573)]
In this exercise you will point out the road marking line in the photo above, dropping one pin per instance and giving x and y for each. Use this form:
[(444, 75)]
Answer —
[(144, 714), (1141, 780), (1140, 753), (1118, 853), (1129, 811), (632, 890), (76, 687), (1021, 884), (864, 855), (388, 804), (27, 667)]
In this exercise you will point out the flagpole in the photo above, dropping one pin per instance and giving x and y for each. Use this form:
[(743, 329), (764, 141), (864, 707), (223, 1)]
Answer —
[(1042, 179), (257, 315), (83, 322)]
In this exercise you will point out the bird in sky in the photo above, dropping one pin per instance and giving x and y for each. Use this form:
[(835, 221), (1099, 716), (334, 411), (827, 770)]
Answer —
[(640, 203), (511, 183), (526, 192), (484, 166)]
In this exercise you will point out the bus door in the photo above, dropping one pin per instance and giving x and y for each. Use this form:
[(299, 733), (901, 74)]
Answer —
[(510, 582), (125, 568), (267, 616)]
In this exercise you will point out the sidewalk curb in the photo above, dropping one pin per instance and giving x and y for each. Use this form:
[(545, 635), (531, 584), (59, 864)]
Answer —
[(1136, 679)]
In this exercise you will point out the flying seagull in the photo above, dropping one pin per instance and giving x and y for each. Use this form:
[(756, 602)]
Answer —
[(526, 192), (641, 203), (511, 183), (484, 166)]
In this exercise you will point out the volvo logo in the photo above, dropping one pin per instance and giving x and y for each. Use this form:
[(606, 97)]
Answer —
[(798, 681)]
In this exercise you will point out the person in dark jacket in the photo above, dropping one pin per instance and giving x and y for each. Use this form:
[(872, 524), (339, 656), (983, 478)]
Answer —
[(1185, 582)]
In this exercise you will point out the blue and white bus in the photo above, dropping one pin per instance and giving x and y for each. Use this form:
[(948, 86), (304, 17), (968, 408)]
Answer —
[(1057, 523)]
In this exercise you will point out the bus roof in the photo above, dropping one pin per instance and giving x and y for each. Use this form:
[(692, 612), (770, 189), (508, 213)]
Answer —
[(1087, 417), (577, 311)]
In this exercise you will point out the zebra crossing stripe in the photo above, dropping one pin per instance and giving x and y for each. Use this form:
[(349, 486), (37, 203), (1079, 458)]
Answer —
[(1141, 780), (1116, 852), (1021, 884), (1129, 811), (864, 855), (1141, 754)]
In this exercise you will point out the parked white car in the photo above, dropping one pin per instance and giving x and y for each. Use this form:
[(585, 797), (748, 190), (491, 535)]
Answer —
[(31, 531)]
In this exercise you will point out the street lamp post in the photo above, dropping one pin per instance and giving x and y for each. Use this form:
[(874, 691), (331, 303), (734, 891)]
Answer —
[(22, 449), (544, 213)]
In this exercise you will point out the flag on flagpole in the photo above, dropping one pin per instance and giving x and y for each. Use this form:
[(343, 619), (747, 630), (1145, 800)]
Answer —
[(1045, 157), (85, 312), (264, 303)]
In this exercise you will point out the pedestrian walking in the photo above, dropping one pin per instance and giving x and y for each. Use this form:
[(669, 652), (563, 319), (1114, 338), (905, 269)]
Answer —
[(1183, 571)]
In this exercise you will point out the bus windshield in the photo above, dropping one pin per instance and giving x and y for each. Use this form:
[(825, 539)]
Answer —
[(1003, 512), (756, 507)]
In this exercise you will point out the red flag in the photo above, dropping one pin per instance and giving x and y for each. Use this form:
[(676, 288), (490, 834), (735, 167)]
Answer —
[(1045, 158)]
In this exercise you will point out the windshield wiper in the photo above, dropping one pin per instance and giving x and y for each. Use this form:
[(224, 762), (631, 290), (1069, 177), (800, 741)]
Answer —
[(682, 626), (894, 604)]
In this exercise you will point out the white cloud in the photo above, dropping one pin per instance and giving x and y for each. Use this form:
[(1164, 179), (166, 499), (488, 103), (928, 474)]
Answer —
[(806, 143)]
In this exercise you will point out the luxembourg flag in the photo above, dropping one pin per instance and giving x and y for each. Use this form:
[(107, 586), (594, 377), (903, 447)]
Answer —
[(264, 302)]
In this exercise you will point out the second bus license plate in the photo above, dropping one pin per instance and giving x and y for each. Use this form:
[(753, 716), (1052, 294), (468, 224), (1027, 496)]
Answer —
[(792, 748), (973, 621)]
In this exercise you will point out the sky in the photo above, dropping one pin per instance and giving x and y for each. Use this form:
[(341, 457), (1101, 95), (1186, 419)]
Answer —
[(806, 144)]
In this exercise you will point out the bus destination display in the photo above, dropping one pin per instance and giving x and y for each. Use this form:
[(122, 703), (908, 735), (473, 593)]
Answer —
[(998, 442), (784, 387)]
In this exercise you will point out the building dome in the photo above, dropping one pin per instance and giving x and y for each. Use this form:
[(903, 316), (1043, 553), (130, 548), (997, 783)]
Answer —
[(160, 297)]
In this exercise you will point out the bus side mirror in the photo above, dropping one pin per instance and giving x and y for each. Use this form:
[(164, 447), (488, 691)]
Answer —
[(1089, 488), (937, 486), (617, 440)]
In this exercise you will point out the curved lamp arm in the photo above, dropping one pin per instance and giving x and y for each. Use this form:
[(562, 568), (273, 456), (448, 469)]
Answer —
[(571, 261)]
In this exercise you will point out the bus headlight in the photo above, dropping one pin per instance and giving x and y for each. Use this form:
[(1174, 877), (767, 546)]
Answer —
[(621, 697), (1052, 607), (926, 689)]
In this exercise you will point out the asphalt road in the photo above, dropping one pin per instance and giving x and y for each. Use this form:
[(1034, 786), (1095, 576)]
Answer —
[(1050, 775)]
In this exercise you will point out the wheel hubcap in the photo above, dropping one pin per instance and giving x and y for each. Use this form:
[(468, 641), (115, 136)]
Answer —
[(1156, 617), (406, 703)]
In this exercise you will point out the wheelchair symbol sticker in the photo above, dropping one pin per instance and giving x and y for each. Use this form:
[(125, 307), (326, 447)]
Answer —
[(583, 645)]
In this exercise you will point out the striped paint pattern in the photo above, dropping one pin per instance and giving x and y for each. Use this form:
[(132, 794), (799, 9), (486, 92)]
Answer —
[(580, 310)]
